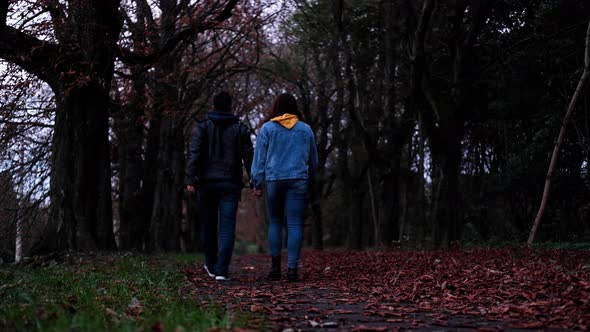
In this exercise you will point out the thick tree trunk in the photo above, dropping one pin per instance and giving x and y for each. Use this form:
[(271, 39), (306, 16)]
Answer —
[(445, 223), (322, 125), (167, 148), (79, 68), (389, 211), (133, 224), (150, 168), (167, 205), (80, 170)]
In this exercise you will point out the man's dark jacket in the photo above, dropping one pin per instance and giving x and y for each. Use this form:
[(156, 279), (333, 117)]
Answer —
[(218, 148)]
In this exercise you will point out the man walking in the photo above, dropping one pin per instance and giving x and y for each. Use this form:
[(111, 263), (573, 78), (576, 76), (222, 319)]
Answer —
[(220, 146)]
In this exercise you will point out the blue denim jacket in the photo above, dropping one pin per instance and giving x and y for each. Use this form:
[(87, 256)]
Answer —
[(282, 154)]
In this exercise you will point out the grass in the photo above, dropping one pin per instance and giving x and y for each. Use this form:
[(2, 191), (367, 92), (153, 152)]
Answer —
[(114, 293)]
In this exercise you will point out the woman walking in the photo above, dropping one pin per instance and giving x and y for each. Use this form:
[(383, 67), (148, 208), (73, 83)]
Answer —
[(285, 160)]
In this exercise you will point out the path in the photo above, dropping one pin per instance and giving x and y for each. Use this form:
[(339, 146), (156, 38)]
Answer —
[(462, 290)]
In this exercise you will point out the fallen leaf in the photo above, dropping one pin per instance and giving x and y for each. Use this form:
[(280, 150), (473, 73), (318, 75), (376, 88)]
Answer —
[(158, 327), (364, 328)]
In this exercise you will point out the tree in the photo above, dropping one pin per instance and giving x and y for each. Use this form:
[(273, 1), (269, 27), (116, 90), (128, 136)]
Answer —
[(78, 66), (159, 98), (77, 61), (444, 115), (560, 138)]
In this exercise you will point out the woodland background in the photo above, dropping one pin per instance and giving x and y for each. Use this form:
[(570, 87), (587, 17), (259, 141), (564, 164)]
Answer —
[(435, 119)]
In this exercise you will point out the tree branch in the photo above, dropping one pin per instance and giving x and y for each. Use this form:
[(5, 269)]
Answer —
[(3, 13), (480, 11), (170, 44), (30, 53), (58, 17), (146, 10), (418, 86), (227, 11), (30, 124)]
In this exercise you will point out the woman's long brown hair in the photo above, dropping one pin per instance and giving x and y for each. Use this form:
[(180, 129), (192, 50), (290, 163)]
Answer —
[(284, 103)]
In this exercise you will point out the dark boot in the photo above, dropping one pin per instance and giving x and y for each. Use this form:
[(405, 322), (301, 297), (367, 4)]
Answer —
[(275, 270), (292, 274)]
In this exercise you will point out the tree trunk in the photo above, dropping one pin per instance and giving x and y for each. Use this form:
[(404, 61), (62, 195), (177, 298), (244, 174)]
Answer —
[(167, 205), (130, 135), (150, 168), (445, 223), (422, 205), (374, 219), (560, 138), (356, 220), (403, 193), (388, 217), (80, 170), (322, 125)]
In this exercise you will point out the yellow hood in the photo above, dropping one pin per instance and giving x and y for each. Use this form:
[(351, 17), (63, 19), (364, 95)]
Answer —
[(286, 120)]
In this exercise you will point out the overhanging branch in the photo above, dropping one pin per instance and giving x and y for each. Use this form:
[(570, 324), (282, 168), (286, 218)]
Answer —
[(30, 53), (3, 13), (184, 34)]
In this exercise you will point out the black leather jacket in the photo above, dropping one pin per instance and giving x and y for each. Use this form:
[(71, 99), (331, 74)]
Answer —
[(219, 147)]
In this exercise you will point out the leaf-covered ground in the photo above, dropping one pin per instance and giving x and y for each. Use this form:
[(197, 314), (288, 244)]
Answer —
[(470, 289)]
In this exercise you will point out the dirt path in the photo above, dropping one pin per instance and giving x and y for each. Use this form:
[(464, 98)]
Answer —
[(391, 291)]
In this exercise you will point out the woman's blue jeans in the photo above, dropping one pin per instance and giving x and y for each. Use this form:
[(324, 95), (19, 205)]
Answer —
[(218, 203), (286, 201)]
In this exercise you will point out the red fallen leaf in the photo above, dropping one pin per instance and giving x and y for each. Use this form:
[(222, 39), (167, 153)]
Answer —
[(158, 327), (314, 310), (256, 308), (134, 308), (283, 308)]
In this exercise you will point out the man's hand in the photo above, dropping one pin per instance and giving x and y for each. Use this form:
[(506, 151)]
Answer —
[(257, 192), (190, 188)]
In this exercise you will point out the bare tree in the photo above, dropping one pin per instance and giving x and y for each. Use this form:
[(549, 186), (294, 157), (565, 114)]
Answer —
[(560, 138)]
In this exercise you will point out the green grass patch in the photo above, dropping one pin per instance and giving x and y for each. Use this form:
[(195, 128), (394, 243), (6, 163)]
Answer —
[(114, 293), (562, 245)]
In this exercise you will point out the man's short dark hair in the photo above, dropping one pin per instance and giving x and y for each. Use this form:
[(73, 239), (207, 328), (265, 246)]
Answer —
[(222, 102)]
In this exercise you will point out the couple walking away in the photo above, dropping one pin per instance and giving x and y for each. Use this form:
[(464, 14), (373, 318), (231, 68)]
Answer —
[(282, 165)]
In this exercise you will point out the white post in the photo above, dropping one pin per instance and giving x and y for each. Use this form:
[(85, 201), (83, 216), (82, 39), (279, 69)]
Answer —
[(18, 248)]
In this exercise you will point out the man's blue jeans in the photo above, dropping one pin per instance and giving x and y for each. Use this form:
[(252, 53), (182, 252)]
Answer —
[(286, 201), (218, 202)]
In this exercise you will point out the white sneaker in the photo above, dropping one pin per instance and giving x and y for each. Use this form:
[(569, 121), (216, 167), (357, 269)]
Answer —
[(222, 278), (212, 275)]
